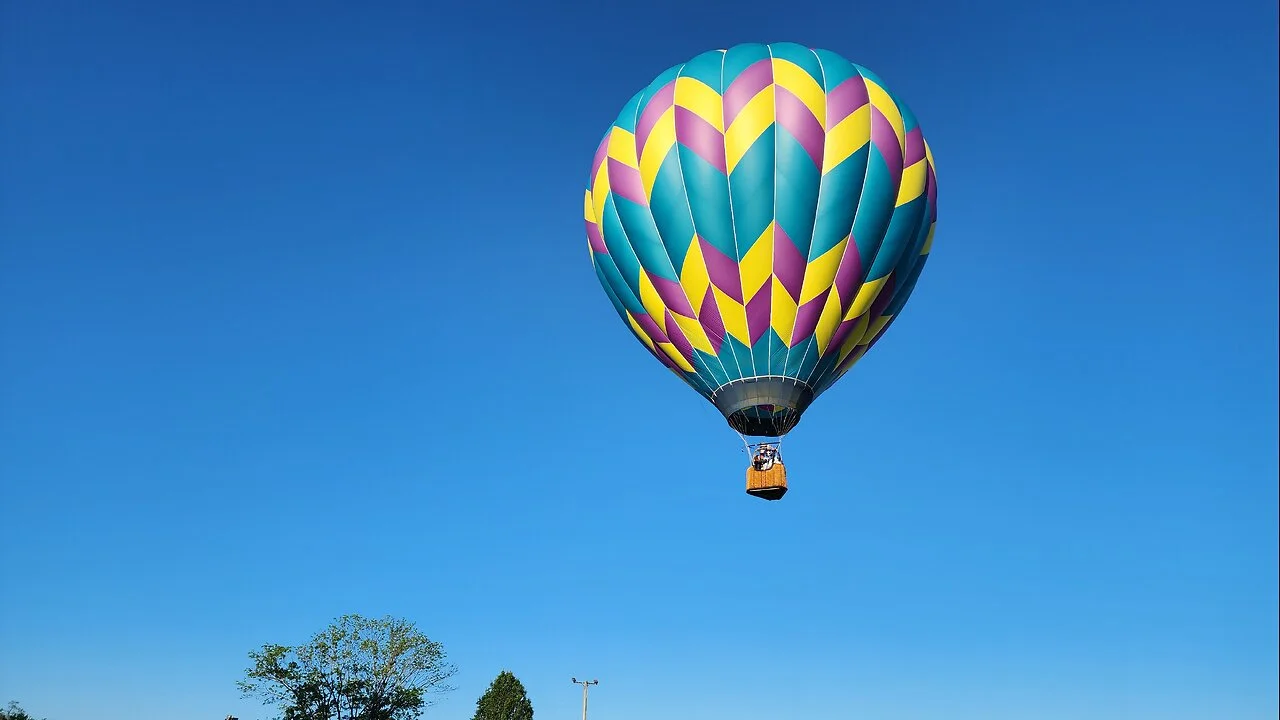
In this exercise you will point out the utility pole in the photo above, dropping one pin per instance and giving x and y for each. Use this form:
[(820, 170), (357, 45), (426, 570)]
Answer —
[(584, 684)]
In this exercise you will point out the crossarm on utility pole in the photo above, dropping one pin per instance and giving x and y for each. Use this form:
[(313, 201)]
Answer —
[(584, 684)]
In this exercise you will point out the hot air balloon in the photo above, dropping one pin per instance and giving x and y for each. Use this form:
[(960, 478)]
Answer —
[(758, 216)]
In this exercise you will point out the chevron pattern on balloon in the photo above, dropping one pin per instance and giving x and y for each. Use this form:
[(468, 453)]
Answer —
[(761, 211)]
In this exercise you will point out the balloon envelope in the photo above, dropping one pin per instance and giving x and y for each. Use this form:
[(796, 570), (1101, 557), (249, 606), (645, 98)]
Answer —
[(758, 216)]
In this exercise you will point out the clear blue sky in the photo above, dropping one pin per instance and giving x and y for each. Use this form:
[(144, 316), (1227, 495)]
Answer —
[(290, 294)]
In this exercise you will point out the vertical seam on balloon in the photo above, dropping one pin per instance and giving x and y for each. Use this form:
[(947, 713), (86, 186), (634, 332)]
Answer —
[(841, 368), (916, 267), (657, 351), (598, 217), (630, 246), (676, 149), (609, 288), (684, 187), (773, 236), (899, 106), (771, 355), (673, 367), (755, 369), (903, 111), (817, 205), (733, 222), (851, 243)]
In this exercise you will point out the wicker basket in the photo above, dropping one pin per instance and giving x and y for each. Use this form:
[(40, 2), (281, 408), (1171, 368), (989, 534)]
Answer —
[(768, 484)]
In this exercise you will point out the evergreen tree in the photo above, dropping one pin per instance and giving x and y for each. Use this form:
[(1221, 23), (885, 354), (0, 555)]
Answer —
[(504, 700)]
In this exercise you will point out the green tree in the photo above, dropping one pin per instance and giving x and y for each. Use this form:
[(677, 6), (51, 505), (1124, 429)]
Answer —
[(504, 700), (356, 669), (15, 712)]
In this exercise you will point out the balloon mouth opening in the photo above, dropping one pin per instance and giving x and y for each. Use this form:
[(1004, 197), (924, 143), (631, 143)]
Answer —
[(763, 406), (764, 421)]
